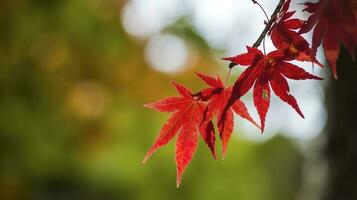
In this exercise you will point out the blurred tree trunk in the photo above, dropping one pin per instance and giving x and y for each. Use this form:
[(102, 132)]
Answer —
[(341, 148)]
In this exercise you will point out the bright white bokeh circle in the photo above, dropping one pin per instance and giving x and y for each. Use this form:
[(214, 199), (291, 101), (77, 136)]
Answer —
[(166, 53)]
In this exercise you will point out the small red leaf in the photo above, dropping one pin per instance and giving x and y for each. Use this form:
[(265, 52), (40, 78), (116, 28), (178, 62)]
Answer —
[(285, 37)]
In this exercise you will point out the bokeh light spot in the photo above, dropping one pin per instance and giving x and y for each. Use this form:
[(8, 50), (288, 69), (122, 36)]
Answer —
[(166, 53)]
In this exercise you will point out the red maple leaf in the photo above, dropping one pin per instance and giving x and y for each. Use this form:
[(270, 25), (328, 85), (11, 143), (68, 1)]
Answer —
[(266, 71), (218, 96), (284, 36), (334, 21), (186, 119)]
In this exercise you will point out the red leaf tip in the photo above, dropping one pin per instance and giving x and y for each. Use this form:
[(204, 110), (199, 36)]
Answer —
[(227, 58), (181, 89), (148, 105), (148, 155)]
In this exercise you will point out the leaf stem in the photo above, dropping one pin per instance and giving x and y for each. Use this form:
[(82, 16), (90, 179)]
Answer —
[(261, 7), (265, 53), (229, 73), (267, 18)]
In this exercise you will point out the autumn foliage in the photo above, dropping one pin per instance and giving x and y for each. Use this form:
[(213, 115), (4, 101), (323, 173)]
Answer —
[(331, 22)]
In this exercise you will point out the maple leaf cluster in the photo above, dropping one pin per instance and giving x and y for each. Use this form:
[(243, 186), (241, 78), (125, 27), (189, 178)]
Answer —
[(192, 115), (331, 21)]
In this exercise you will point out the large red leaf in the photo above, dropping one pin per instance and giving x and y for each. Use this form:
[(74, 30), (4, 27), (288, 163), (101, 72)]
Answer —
[(187, 118), (265, 71)]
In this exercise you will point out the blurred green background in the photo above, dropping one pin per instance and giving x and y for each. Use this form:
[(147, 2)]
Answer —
[(72, 125)]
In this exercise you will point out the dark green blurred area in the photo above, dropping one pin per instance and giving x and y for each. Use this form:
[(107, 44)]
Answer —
[(72, 125)]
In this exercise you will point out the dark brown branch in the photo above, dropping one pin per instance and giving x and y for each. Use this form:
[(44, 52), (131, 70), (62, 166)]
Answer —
[(267, 28), (269, 23)]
